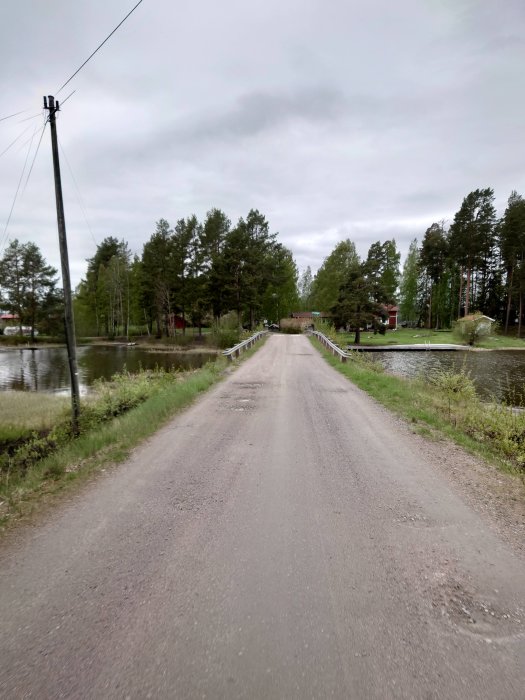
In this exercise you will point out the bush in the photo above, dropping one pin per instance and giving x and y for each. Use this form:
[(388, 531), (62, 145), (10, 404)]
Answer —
[(472, 329), (364, 360), (110, 399)]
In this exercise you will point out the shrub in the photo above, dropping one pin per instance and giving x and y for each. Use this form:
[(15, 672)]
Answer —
[(455, 386), (473, 328)]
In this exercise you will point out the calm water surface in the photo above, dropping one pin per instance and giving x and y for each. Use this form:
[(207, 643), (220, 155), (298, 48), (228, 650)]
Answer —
[(47, 369), (498, 375)]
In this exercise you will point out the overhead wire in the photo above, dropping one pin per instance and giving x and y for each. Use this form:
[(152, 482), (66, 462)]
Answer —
[(36, 153), (29, 118), (79, 196), (6, 227), (15, 114), (17, 139), (9, 116), (67, 98), (98, 47)]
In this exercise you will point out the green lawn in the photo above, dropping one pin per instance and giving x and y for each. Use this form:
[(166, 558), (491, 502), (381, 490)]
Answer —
[(416, 336), (22, 412)]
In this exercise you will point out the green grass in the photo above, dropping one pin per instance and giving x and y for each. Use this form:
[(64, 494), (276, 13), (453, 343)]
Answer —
[(101, 442), (418, 336), (445, 407), (22, 413), (142, 404)]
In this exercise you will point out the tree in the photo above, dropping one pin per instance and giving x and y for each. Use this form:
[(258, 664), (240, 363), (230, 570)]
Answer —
[(408, 289), (356, 305), (27, 282), (213, 237), (93, 293), (433, 259), (472, 239), (280, 296), (332, 274), (511, 233), (157, 277), (304, 289), (185, 264), (115, 277), (382, 268), (246, 266)]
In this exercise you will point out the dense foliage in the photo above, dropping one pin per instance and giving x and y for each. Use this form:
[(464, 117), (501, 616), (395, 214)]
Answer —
[(197, 272), (476, 265), (191, 274), (28, 288)]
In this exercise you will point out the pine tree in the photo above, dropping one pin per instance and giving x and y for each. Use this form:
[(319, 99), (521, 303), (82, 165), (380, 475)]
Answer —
[(512, 243), (472, 239), (408, 290), (27, 283), (332, 274)]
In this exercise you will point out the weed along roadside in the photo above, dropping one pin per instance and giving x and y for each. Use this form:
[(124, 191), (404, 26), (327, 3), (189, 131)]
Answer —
[(43, 459), (444, 404)]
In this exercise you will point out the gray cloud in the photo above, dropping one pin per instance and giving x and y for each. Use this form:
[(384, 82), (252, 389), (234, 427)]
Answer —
[(347, 119)]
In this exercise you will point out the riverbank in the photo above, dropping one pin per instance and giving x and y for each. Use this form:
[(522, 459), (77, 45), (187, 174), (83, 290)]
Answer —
[(444, 405), (41, 458), (48, 461), (413, 336)]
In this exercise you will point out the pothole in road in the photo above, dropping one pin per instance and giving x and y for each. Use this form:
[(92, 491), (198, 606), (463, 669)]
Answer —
[(414, 520), (477, 615), (244, 407), (249, 385)]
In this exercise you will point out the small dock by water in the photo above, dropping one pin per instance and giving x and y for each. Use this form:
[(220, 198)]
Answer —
[(416, 347)]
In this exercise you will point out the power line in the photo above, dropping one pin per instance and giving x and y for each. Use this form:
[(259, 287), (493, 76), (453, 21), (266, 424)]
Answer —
[(36, 153), (12, 115), (17, 139), (29, 118), (4, 235), (79, 196), (99, 47), (67, 98)]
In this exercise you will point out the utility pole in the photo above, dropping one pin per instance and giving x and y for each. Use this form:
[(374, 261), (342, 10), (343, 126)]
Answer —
[(53, 108)]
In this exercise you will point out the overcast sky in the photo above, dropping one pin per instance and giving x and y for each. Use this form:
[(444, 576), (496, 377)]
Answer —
[(335, 118)]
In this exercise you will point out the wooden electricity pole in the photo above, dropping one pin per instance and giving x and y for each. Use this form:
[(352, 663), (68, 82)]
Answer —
[(53, 108)]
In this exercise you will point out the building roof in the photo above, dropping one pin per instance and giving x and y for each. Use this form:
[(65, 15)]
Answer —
[(476, 317)]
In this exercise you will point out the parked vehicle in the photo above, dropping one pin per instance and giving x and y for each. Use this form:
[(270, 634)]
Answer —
[(15, 330)]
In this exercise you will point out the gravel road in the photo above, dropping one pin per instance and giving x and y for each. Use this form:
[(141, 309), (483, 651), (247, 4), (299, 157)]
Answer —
[(284, 537)]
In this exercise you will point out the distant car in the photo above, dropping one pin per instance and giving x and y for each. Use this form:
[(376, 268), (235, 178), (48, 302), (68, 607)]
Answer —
[(273, 327), (15, 330)]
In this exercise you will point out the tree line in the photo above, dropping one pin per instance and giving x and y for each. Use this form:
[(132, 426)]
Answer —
[(195, 272), (192, 273), (477, 264)]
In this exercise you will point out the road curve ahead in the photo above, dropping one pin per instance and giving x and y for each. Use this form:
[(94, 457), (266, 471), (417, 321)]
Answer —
[(283, 538)]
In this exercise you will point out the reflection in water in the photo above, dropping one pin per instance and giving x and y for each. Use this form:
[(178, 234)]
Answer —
[(499, 375), (47, 369)]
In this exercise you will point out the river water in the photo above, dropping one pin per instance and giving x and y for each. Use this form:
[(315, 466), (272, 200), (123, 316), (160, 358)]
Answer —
[(499, 375), (47, 369)]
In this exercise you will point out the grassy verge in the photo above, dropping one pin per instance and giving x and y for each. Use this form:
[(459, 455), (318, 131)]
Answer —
[(23, 413), (116, 419), (443, 404)]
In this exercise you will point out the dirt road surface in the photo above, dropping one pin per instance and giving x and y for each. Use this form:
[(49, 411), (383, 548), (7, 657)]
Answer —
[(284, 537)]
